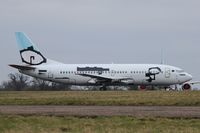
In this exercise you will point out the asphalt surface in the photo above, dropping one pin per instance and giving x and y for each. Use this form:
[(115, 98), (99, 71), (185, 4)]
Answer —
[(136, 111)]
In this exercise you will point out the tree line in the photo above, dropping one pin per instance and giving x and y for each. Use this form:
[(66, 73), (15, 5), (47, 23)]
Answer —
[(21, 82)]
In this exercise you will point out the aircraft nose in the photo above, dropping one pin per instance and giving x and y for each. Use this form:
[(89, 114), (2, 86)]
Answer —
[(189, 76)]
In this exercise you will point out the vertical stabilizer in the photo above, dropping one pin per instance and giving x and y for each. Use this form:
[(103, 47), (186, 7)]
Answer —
[(29, 53)]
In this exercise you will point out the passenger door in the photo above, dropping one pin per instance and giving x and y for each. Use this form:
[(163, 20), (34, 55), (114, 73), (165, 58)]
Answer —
[(167, 72)]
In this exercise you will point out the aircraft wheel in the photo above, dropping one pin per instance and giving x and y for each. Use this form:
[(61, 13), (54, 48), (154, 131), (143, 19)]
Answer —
[(103, 88)]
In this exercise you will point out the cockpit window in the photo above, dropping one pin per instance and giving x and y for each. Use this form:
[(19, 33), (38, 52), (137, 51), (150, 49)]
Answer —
[(182, 74), (179, 71)]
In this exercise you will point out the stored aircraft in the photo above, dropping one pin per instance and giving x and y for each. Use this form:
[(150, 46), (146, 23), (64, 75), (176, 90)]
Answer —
[(35, 64)]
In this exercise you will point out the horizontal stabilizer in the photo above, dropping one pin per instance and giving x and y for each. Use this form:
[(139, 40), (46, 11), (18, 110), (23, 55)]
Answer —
[(20, 67)]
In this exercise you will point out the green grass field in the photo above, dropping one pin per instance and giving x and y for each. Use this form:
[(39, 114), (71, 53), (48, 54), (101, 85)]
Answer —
[(183, 98), (52, 124), (123, 124)]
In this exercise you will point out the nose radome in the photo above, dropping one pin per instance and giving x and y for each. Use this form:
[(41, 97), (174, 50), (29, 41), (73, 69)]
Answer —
[(189, 76)]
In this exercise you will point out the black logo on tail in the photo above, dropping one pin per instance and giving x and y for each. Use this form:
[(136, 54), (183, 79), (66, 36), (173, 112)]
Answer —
[(32, 57)]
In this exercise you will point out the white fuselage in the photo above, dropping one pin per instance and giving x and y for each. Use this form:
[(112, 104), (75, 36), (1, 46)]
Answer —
[(37, 65), (116, 74)]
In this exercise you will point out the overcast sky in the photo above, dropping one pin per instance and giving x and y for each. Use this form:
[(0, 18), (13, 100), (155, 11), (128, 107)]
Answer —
[(104, 31)]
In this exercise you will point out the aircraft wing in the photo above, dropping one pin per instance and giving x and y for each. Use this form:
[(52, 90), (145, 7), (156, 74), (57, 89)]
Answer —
[(100, 78), (194, 82)]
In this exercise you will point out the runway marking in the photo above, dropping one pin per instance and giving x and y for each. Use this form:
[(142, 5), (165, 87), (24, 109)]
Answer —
[(136, 111)]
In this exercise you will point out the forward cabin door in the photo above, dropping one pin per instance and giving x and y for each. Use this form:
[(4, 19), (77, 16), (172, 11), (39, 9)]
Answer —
[(167, 73)]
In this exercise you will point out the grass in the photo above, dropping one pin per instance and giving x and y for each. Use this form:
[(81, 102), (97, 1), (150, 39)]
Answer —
[(52, 124), (123, 124), (160, 98)]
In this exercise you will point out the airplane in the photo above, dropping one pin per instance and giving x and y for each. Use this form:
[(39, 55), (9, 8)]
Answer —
[(35, 64)]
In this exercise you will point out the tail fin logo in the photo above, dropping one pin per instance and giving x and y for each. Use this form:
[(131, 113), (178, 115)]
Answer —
[(32, 57)]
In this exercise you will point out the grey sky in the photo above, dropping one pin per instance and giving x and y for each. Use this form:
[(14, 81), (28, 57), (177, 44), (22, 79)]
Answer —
[(104, 31)]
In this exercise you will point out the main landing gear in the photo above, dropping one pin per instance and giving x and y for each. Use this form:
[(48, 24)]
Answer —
[(103, 88)]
